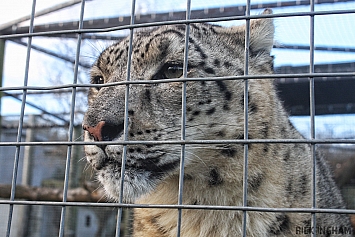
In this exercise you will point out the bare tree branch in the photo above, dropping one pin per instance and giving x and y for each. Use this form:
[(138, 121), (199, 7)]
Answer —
[(52, 194)]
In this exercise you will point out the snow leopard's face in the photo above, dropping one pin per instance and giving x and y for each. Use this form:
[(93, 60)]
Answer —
[(155, 110)]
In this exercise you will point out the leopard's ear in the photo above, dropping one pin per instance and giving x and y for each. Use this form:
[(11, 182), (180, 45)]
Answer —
[(262, 34), (261, 37)]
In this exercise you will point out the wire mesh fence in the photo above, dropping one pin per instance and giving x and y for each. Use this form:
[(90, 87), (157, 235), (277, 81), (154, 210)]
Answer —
[(33, 145)]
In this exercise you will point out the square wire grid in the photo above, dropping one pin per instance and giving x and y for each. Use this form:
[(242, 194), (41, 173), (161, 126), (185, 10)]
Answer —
[(180, 206)]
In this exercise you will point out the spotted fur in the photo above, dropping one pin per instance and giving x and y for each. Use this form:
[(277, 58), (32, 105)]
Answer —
[(279, 175)]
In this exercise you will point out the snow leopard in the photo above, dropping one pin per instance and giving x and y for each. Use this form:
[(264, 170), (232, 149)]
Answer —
[(279, 175)]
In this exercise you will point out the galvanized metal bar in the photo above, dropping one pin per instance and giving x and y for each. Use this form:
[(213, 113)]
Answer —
[(2, 57), (184, 206), (71, 123), (126, 121), (316, 48), (40, 92), (246, 117), (183, 119), (190, 142), (19, 131), (158, 17), (273, 76), (142, 25), (312, 118)]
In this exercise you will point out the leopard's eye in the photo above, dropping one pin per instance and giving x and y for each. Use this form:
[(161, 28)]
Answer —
[(98, 80), (169, 71), (175, 71)]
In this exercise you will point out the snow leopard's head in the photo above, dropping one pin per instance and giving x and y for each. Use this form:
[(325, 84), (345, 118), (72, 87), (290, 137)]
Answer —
[(214, 109)]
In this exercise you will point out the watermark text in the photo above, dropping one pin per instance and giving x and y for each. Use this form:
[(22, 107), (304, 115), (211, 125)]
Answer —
[(324, 230)]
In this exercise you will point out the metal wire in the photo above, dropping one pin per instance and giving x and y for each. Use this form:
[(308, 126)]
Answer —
[(125, 129), (19, 133), (273, 76), (246, 120), (183, 119), (71, 124), (184, 206), (312, 118), (114, 21), (177, 22), (185, 142)]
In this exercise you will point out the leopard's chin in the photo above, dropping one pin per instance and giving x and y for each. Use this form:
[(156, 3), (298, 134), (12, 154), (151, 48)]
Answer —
[(136, 183), (143, 172)]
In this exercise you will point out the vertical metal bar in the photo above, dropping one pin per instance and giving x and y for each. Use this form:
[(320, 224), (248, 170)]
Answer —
[(312, 115), (27, 166), (183, 118), (22, 113), (125, 129), (71, 122), (2, 56), (246, 102)]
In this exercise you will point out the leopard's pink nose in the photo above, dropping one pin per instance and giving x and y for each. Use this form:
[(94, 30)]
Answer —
[(104, 131)]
